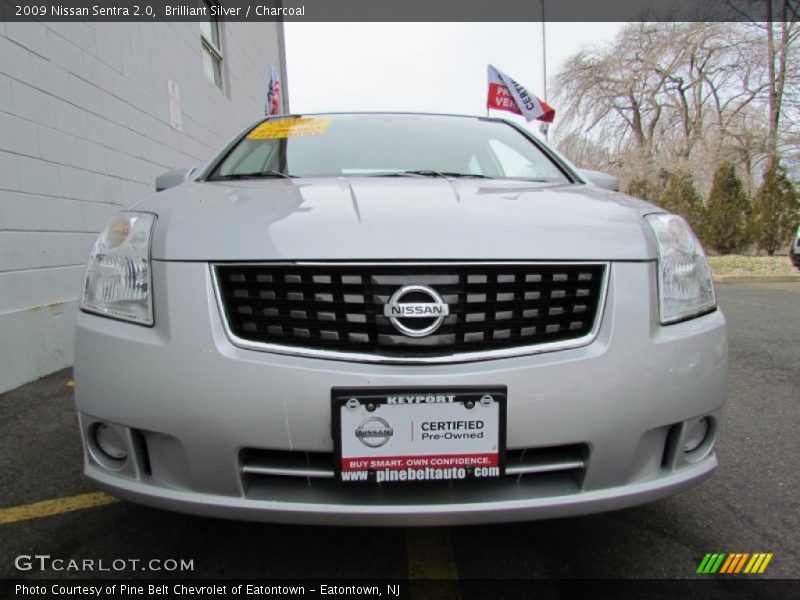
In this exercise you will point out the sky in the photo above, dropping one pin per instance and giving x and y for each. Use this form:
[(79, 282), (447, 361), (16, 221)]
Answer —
[(423, 67)]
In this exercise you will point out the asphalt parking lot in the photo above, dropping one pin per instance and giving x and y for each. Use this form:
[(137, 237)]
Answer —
[(751, 504)]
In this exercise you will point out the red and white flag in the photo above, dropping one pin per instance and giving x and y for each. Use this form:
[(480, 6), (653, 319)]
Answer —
[(507, 94), (273, 106)]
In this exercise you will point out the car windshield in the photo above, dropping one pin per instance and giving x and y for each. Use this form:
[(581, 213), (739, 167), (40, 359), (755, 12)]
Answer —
[(387, 145)]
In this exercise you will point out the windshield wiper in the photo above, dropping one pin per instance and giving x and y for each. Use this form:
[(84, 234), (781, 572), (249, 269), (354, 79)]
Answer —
[(430, 173), (465, 175), (253, 175)]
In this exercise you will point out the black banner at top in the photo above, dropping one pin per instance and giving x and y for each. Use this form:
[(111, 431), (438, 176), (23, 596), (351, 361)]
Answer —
[(399, 10)]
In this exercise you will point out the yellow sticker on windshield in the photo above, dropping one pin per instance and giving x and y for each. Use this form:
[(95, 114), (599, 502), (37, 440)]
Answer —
[(292, 127)]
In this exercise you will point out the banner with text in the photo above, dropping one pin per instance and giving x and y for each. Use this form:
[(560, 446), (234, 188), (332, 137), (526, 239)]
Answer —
[(506, 94)]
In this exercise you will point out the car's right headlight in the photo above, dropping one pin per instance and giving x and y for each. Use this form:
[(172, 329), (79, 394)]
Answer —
[(684, 278), (118, 280)]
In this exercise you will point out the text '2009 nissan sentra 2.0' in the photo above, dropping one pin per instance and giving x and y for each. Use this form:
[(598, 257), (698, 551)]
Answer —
[(393, 319)]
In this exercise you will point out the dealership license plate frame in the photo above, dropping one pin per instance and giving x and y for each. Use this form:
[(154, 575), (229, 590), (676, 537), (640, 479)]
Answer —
[(340, 396)]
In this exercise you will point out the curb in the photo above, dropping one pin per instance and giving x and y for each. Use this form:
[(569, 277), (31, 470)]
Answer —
[(757, 279)]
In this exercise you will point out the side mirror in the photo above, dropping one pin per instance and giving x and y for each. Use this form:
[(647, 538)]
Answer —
[(173, 178), (600, 179)]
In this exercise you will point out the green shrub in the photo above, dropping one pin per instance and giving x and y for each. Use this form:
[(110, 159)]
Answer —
[(725, 226), (681, 197), (775, 210)]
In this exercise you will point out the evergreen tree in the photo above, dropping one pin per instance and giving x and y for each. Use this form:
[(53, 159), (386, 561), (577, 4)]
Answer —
[(681, 197), (727, 212), (775, 209)]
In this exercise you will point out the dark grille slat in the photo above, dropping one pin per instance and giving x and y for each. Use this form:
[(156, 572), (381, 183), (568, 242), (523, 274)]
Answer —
[(340, 307)]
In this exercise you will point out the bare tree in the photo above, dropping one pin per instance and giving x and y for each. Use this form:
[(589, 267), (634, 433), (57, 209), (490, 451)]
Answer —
[(671, 95), (781, 32), (778, 57)]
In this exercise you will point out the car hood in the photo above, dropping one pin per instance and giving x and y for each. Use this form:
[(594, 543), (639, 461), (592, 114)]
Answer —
[(370, 218)]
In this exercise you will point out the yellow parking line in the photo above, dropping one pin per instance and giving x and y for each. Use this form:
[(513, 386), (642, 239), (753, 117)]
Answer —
[(429, 552), (48, 508)]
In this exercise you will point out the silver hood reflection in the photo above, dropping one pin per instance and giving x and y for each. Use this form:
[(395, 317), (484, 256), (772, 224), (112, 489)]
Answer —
[(371, 218)]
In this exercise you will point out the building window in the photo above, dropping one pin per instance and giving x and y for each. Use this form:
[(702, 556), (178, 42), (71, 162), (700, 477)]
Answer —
[(210, 34)]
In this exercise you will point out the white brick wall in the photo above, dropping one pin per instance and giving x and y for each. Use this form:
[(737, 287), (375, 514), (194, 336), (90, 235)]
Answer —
[(84, 130)]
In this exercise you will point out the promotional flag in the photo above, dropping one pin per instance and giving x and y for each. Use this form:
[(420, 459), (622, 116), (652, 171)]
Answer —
[(273, 106), (507, 94)]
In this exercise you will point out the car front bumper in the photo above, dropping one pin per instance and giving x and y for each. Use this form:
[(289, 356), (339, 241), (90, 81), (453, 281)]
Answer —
[(191, 405)]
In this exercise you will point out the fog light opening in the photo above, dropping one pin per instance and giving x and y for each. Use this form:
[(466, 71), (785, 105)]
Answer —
[(110, 442), (695, 435)]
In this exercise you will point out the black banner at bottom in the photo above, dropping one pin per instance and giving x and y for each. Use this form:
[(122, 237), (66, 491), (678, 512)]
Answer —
[(540, 589)]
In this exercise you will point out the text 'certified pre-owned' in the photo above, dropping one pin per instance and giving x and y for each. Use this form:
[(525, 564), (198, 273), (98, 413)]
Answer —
[(416, 310)]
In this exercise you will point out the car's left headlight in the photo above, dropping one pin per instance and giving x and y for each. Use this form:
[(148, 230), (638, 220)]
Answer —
[(118, 280), (685, 288)]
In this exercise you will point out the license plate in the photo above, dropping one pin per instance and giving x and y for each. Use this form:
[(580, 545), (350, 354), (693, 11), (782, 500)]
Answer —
[(402, 435)]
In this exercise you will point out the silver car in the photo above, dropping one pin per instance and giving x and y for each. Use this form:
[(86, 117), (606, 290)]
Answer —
[(397, 319)]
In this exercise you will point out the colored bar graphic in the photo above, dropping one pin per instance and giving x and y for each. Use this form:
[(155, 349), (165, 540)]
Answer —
[(704, 564), (734, 563), (717, 564), (711, 563), (755, 561), (728, 563), (764, 564), (741, 562)]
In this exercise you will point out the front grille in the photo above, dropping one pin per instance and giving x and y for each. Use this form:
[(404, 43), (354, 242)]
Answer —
[(340, 308)]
